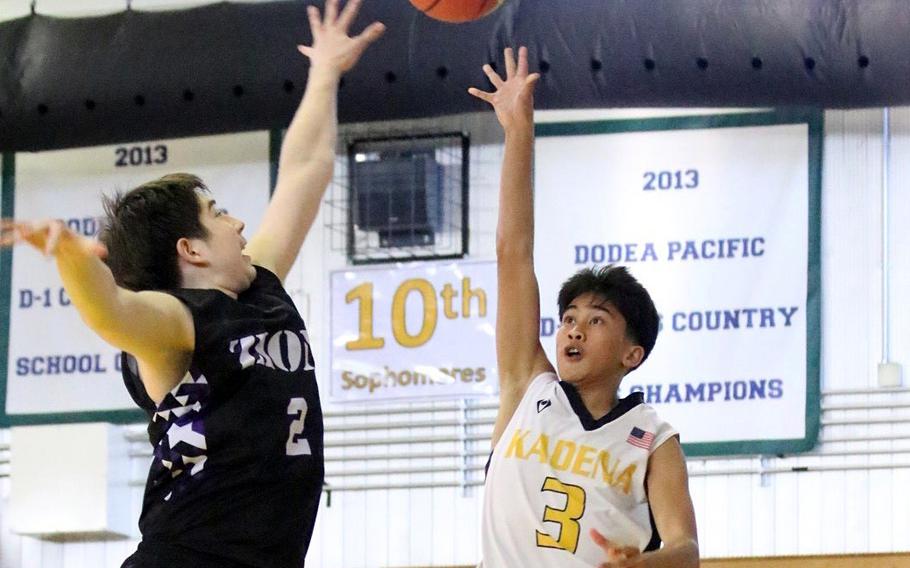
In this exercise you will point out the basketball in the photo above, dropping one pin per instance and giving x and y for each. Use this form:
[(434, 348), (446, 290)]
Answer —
[(456, 11)]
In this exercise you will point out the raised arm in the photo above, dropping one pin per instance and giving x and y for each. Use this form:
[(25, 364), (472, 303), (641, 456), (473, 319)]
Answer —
[(155, 327), (308, 153), (520, 357)]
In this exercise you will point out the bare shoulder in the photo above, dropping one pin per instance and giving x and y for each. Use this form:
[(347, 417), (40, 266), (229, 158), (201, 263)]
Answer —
[(512, 392), (153, 325), (668, 455), (157, 329)]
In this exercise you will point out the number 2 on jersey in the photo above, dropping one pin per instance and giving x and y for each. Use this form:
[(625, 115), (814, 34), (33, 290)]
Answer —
[(297, 445), (567, 518)]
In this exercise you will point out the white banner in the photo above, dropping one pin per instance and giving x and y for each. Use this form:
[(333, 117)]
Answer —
[(414, 331), (56, 364), (714, 222)]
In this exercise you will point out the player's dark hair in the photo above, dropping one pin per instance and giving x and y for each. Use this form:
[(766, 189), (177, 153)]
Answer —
[(142, 227), (615, 285)]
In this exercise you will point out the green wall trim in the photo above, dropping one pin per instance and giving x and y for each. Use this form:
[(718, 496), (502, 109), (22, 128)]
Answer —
[(7, 211)]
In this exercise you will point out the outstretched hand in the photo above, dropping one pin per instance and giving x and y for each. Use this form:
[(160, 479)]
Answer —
[(618, 556), (47, 236), (513, 99), (333, 49)]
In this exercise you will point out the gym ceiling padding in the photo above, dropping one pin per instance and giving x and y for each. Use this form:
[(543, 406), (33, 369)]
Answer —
[(233, 67)]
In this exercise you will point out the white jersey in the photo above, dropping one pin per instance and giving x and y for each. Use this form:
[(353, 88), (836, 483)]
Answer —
[(556, 473)]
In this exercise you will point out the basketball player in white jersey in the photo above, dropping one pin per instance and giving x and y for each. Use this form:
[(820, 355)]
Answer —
[(577, 477)]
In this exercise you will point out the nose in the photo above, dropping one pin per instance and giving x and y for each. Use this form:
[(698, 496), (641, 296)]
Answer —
[(239, 224), (576, 334)]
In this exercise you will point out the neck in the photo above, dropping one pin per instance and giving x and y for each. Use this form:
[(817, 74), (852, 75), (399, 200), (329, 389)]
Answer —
[(199, 280), (599, 397)]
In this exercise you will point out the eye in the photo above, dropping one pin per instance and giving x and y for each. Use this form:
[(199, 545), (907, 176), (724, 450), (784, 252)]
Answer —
[(596, 320), (220, 212), (566, 320)]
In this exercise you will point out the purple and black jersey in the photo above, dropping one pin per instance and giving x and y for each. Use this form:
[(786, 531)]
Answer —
[(238, 445)]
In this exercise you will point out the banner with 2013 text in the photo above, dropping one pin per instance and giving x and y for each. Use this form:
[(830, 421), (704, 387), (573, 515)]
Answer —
[(57, 369), (718, 217)]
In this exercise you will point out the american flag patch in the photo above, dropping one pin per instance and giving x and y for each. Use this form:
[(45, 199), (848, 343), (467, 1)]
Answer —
[(640, 439)]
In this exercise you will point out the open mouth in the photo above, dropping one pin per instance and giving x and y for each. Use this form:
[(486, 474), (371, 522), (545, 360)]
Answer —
[(573, 353)]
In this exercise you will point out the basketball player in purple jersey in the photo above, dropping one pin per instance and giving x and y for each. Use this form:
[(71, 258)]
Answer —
[(213, 348)]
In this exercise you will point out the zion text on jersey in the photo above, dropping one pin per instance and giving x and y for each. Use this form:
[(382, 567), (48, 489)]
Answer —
[(284, 350)]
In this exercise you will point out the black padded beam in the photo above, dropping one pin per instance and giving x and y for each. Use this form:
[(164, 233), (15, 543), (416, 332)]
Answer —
[(232, 67)]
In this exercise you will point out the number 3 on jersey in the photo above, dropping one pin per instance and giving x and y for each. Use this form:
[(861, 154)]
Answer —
[(567, 517), (297, 445)]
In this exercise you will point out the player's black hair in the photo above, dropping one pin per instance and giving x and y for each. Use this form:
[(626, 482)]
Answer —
[(615, 285), (142, 227)]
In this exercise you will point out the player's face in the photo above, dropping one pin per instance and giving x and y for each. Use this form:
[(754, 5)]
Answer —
[(232, 269), (591, 341)]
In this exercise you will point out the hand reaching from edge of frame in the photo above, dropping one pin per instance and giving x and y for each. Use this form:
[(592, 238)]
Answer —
[(333, 49), (513, 99), (618, 556), (47, 236)]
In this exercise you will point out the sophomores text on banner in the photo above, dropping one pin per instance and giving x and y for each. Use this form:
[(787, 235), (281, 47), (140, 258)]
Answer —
[(417, 331), (718, 218)]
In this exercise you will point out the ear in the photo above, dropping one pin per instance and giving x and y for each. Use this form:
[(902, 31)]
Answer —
[(633, 356), (188, 250)]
